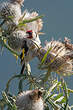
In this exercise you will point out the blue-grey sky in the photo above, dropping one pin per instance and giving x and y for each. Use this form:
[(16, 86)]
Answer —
[(58, 23)]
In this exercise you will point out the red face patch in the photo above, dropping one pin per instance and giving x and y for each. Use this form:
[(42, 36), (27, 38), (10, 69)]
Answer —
[(30, 34), (29, 31)]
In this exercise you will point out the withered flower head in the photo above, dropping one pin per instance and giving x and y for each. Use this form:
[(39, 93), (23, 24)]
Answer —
[(10, 12), (59, 59), (19, 40), (16, 39), (30, 100)]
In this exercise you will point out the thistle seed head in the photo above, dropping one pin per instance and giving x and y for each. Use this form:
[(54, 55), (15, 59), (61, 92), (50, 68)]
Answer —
[(16, 40), (30, 100), (10, 12), (59, 59), (35, 25)]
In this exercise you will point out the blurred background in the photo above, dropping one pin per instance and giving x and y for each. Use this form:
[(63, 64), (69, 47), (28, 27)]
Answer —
[(58, 23)]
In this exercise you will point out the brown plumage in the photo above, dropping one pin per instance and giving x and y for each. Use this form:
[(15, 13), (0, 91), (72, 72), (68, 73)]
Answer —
[(30, 100)]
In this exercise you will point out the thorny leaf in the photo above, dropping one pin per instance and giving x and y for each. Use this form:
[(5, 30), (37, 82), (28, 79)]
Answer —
[(44, 58), (13, 77), (57, 96), (10, 105)]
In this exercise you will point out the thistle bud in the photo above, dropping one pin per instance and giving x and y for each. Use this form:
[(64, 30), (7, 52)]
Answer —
[(30, 100)]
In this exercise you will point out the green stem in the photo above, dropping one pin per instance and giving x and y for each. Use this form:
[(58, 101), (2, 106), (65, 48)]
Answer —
[(7, 46), (47, 75), (11, 50), (2, 108), (13, 77), (65, 90), (30, 20), (21, 84)]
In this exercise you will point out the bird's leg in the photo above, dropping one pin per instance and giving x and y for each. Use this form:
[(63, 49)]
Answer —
[(26, 67)]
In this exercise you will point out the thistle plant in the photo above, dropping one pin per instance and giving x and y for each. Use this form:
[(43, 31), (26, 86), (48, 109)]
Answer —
[(56, 57), (45, 91)]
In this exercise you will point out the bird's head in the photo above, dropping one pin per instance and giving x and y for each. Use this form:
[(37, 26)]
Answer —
[(30, 34)]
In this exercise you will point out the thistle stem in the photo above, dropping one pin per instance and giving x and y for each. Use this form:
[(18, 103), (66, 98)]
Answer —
[(9, 48)]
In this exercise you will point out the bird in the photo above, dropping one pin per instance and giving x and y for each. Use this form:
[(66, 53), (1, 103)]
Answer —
[(28, 41), (10, 13), (20, 39), (31, 28), (59, 59), (34, 27), (30, 100), (16, 37)]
